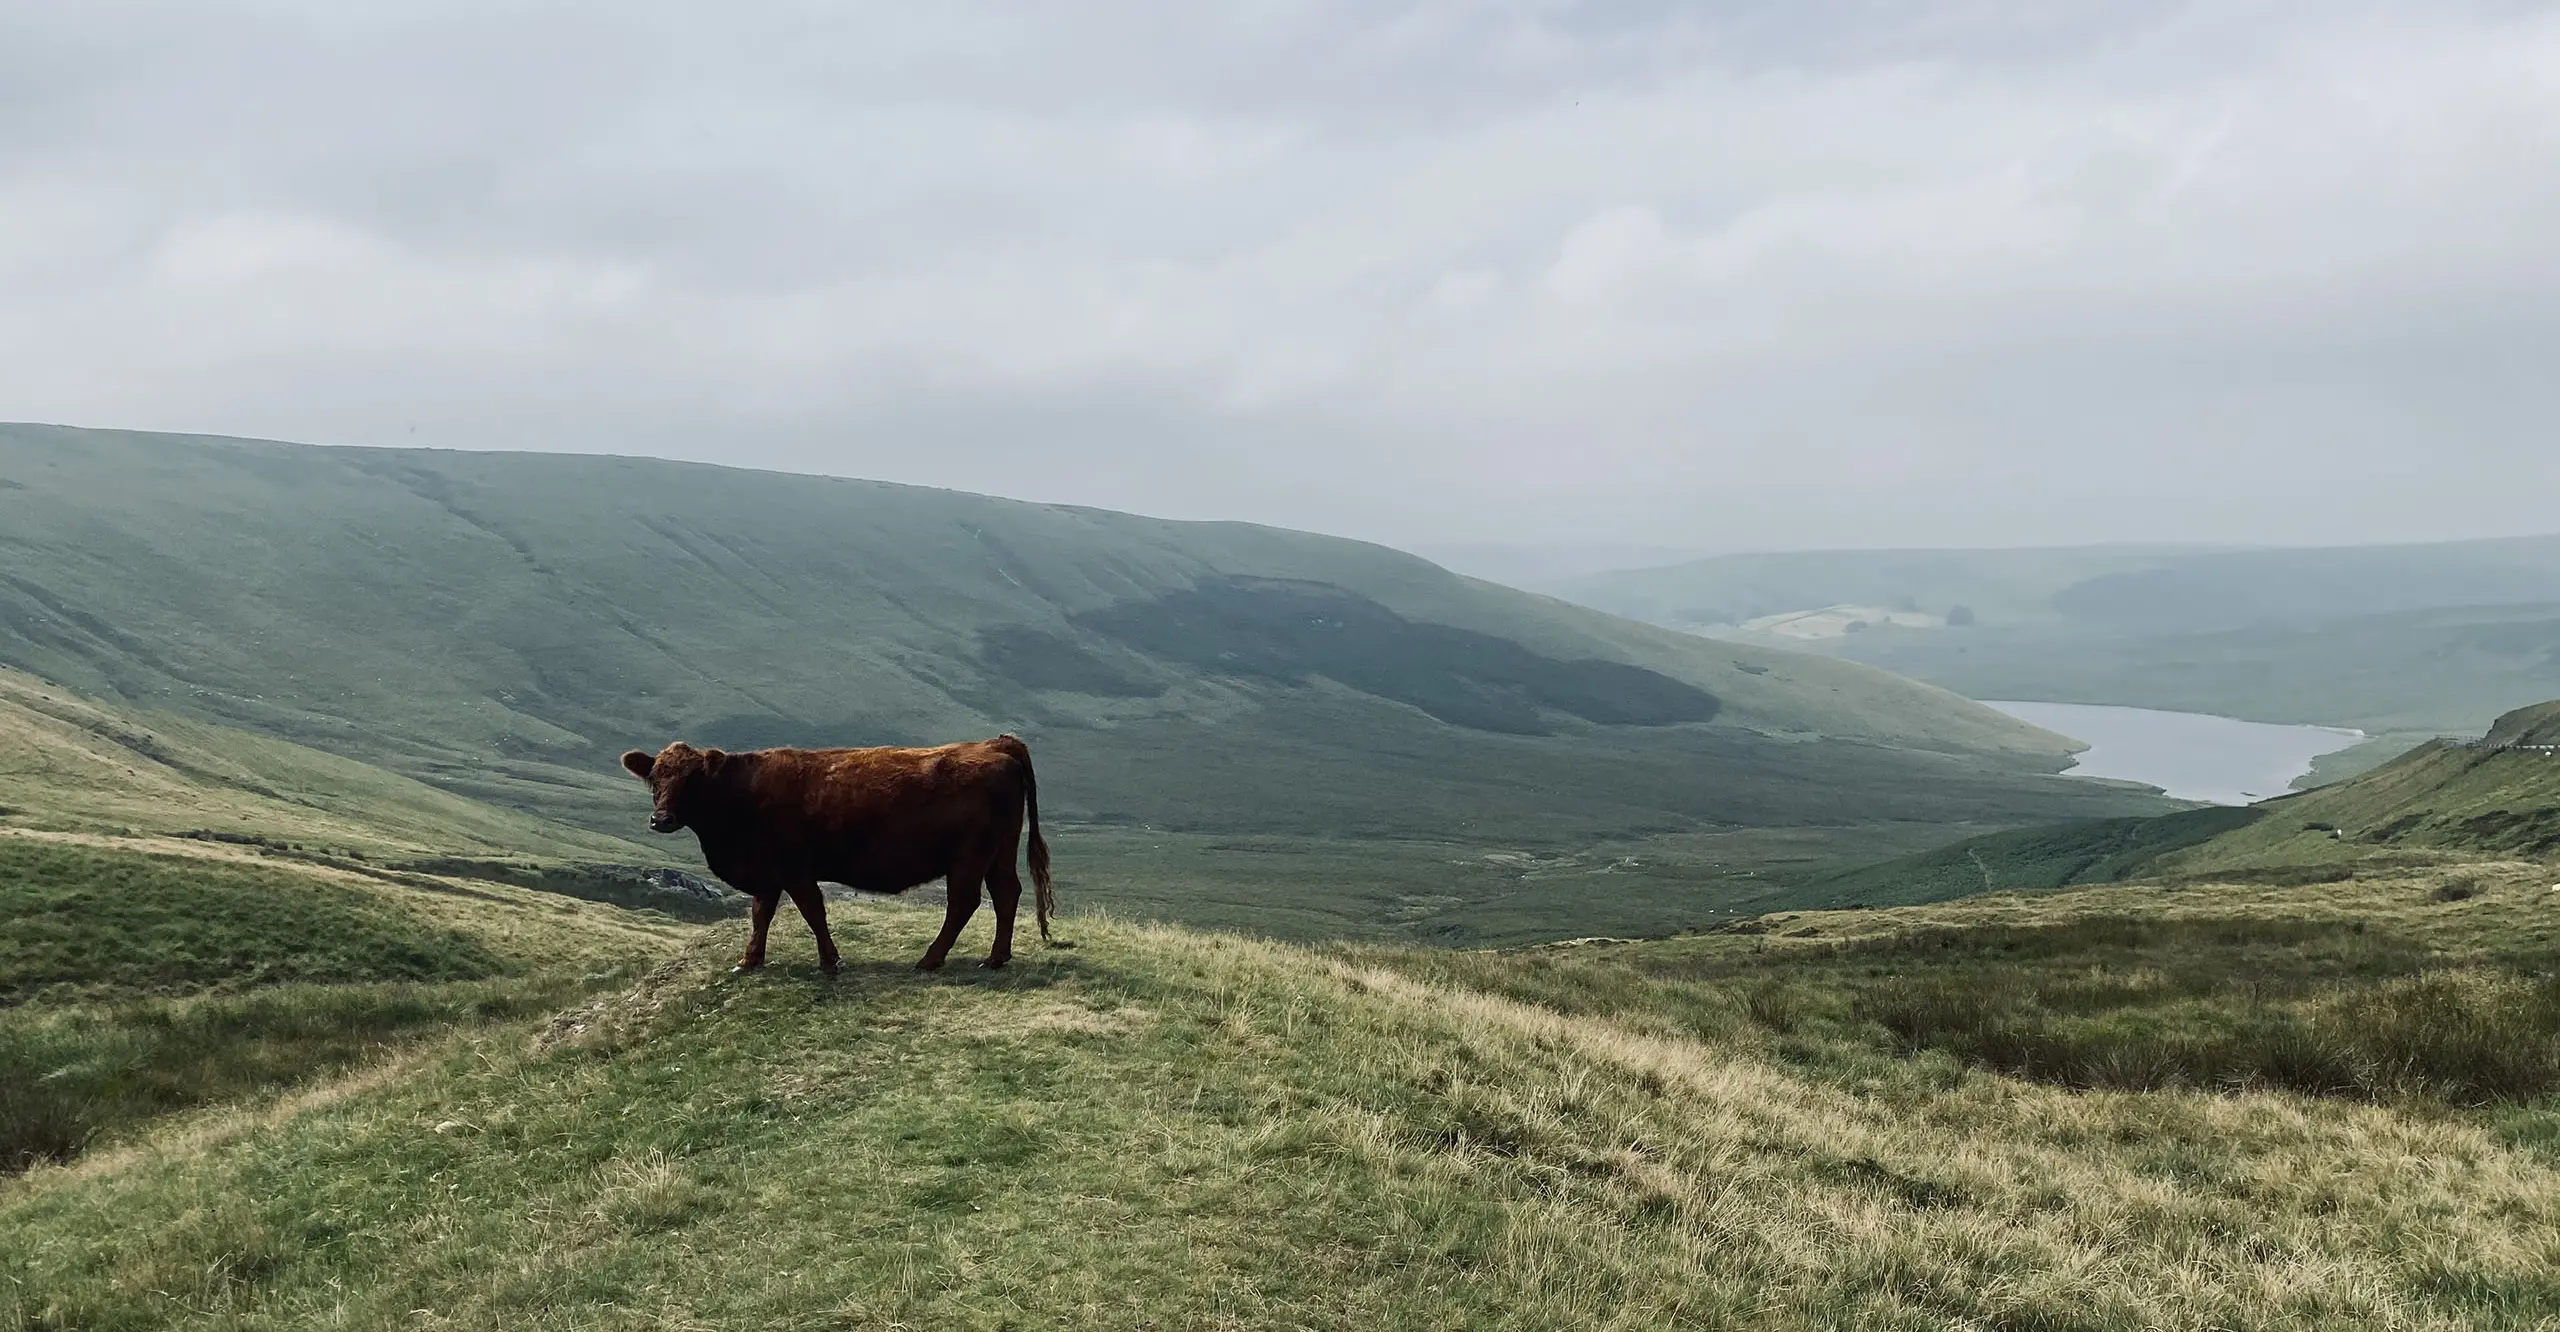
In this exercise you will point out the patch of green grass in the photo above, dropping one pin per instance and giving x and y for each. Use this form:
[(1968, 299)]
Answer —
[(133, 985), (78, 920), (73, 1075)]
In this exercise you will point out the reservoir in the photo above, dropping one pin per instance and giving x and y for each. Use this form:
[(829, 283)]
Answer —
[(2190, 755)]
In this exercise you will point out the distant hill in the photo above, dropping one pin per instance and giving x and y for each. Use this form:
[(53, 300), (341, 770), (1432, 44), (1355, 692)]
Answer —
[(2405, 674), (500, 625), (2399, 641), (2099, 588)]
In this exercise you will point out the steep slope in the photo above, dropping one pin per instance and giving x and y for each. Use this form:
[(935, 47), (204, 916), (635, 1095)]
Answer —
[(498, 625), (1164, 1129)]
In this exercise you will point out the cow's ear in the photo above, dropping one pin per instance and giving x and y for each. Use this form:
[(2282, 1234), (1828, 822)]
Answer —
[(640, 764)]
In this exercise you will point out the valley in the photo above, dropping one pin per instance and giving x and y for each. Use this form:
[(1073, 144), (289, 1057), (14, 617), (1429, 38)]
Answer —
[(1434, 954), (2404, 643)]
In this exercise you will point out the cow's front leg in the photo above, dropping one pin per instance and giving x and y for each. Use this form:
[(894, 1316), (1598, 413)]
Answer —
[(760, 914)]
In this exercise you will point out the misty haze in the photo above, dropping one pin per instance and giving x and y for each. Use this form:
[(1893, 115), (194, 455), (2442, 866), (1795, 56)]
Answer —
[(1508, 665)]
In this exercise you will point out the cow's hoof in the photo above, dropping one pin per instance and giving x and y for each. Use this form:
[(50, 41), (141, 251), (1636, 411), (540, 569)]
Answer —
[(992, 963), (747, 964), (928, 964), (827, 969)]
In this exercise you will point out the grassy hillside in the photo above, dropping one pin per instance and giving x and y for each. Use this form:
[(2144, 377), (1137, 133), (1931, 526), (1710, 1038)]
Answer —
[(499, 626), (1871, 1119), (141, 977)]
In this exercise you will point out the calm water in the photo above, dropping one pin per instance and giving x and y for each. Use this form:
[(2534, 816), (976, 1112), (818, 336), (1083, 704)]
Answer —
[(2188, 754)]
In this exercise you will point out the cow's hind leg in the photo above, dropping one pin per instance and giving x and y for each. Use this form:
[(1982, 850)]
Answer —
[(812, 901), (1004, 889), (965, 877), (760, 916)]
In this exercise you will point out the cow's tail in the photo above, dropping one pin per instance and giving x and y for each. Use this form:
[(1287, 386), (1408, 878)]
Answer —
[(1044, 893)]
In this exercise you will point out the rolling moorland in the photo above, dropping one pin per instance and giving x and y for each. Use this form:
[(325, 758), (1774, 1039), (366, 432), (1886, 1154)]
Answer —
[(2298, 1072), (2403, 642), (1244, 726), (297, 1033)]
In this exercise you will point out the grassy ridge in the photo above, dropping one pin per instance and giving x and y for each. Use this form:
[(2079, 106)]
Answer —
[(1168, 1129)]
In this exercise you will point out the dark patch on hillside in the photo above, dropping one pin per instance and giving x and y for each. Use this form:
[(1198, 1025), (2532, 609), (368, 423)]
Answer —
[(1288, 631), (1036, 659), (2037, 859)]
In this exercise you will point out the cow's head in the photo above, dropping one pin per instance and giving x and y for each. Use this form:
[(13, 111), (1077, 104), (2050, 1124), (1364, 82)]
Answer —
[(680, 777)]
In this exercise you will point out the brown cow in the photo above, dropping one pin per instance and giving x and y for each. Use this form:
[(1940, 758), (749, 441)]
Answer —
[(779, 821)]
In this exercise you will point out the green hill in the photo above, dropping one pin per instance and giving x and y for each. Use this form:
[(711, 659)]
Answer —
[(498, 626)]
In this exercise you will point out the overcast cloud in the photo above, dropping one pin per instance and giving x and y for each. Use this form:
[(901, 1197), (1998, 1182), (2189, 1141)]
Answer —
[(1783, 274)]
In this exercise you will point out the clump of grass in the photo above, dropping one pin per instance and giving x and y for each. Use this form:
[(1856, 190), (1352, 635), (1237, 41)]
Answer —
[(2471, 1036), (1775, 1004), (2461, 889)]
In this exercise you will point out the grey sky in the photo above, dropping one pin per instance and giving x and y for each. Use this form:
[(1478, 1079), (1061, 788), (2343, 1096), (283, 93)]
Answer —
[(1719, 276)]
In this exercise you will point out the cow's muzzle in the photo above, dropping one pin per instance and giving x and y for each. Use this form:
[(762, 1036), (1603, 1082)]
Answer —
[(665, 823)]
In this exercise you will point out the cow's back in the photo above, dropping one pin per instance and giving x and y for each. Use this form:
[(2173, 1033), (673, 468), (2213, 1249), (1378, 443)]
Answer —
[(885, 819)]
